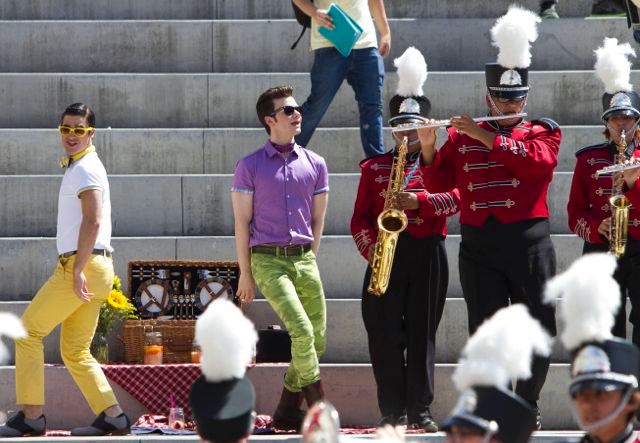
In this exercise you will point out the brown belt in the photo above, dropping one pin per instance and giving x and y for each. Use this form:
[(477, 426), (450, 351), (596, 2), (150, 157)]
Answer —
[(282, 251)]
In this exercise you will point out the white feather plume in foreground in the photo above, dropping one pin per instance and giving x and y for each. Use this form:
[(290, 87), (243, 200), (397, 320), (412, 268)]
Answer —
[(590, 299), (502, 349), (11, 326), (613, 67), (513, 34), (227, 340), (412, 73)]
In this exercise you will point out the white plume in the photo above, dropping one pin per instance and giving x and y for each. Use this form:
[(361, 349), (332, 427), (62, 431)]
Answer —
[(227, 341), (502, 349), (590, 299), (412, 72), (11, 326), (613, 67), (513, 34)]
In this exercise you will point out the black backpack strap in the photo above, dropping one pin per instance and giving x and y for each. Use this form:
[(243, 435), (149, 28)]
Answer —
[(304, 28)]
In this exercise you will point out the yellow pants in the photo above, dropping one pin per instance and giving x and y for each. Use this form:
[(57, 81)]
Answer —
[(56, 303)]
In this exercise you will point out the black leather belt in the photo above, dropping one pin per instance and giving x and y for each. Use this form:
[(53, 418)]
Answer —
[(284, 251), (104, 252)]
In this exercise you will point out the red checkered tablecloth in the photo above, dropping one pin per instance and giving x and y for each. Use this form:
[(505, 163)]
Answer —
[(153, 385)]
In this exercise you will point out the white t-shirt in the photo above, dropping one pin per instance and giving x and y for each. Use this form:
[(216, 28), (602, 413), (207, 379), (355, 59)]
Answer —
[(359, 11), (84, 174)]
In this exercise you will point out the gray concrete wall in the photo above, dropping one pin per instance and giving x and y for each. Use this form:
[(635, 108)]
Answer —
[(209, 151), (220, 46), (250, 9), (228, 100), (26, 263), (161, 205), (350, 388)]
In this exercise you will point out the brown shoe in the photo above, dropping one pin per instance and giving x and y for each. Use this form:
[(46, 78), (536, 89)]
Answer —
[(313, 393), (289, 415)]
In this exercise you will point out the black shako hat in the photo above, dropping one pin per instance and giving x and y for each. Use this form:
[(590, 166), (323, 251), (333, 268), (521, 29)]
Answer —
[(223, 410), (605, 366), (506, 82), (622, 102), (495, 410)]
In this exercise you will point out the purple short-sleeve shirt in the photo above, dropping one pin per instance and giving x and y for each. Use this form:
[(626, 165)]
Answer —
[(283, 191)]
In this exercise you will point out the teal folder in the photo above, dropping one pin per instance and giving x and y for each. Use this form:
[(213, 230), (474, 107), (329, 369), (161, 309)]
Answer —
[(346, 32)]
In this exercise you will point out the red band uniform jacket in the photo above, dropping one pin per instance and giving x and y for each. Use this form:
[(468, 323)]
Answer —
[(590, 193), (428, 220), (509, 181)]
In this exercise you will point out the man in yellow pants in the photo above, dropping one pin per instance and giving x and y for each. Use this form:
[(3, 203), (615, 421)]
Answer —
[(74, 293)]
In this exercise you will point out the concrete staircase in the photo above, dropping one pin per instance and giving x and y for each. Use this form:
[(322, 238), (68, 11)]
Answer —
[(174, 84)]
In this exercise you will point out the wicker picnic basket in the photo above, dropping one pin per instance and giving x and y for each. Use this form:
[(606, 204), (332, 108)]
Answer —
[(177, 334)]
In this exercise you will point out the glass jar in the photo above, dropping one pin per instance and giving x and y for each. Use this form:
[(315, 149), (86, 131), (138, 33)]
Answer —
[(195, 353), (153, 348)]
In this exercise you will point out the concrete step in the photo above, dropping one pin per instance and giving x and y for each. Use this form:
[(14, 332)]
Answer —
[(26, 263), (161, 205), (220, 46), (228, 100), (209, 151), (346, 335), (351, 388), (250, 9)]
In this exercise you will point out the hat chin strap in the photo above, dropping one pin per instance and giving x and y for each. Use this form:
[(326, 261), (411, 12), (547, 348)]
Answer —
[(498, 111), (491, 431), (606, 420)]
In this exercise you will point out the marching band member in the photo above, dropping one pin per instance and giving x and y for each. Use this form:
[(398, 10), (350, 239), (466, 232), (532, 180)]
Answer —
[(500, 350), (503, 170), (406, 317), (223, 398), (604, 370), (589, 208)]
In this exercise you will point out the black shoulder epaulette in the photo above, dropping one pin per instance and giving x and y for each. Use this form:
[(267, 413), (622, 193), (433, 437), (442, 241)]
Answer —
[(362, 162), (589, 148), (547, 123)]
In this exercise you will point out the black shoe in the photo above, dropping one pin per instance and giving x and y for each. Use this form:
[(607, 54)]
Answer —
[(424, 421), (19, 425), (393, 420), (608, 7), (104, 425)]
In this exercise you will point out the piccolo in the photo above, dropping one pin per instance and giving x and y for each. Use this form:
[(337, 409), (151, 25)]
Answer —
[(447, 122), (619, 168)]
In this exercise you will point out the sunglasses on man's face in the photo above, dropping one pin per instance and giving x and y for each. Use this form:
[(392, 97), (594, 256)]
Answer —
[(78, 132), (288, 110)]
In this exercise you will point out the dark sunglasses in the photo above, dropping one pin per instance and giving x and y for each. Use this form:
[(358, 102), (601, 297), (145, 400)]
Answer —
[(288, 110), (511, 100)]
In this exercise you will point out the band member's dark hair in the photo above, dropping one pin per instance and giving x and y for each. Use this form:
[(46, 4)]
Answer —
[(265, 106), (82, 110)]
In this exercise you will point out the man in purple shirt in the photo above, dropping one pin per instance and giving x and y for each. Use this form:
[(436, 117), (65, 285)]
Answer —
[(280, 196)]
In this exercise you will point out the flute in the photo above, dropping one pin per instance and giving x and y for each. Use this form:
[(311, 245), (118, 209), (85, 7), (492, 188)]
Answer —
[(447, 122)]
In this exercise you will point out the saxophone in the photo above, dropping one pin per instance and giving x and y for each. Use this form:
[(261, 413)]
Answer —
[(619, 206), (391, 222)]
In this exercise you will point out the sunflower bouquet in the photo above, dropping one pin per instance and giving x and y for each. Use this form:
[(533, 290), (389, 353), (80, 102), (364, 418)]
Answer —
[(115, 309)]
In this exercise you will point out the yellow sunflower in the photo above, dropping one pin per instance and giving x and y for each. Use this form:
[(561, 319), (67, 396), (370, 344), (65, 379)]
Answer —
[(117, 300), (116, 282)]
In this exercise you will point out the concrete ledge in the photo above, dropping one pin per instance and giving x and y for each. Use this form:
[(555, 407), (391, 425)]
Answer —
[(219, 46), (249, 9), (26, 263), (350, 388), (202, 100), (210, 151), (167, 205)]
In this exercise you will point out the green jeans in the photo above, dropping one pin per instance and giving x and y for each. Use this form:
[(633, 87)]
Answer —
[(293, 288)]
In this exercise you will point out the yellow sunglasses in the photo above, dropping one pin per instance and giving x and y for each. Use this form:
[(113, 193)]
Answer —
[(78, 132)]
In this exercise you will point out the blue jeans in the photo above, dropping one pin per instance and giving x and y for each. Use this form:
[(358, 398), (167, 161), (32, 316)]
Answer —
[(364, 71)]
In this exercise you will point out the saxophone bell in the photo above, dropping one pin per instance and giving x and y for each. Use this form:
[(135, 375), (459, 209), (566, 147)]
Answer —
[(620, 206)]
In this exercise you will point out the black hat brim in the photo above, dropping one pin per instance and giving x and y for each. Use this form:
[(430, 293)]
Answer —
[(509, 94), (406, 120), (596, 385), (462, 422), (620, 111)]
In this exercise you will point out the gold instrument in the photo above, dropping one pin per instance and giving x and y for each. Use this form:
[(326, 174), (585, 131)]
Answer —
[(619, 206), (447, 122), (391, 222)]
